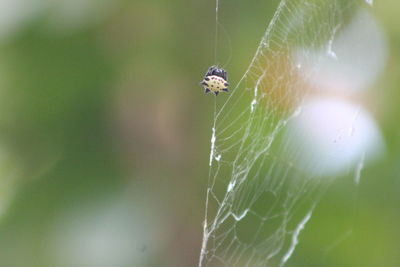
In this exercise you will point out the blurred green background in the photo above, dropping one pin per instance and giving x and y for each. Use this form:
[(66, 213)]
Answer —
[(104, 139)]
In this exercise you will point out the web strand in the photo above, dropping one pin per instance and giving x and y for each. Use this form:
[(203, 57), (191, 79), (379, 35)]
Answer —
[(216, 33), (258, 201)]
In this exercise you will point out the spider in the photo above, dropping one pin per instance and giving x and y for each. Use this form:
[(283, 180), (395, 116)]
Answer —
[(215, 80)]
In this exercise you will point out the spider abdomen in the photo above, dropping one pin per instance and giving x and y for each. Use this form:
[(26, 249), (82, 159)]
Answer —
[(214, 81)]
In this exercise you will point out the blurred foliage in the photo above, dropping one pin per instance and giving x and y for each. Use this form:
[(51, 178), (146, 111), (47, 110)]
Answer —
[(112, 108)]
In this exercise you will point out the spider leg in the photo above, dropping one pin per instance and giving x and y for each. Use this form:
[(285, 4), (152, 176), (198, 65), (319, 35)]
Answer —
[(211, 70), (206, 90), (216, 93), (225, 75), (216, 72)]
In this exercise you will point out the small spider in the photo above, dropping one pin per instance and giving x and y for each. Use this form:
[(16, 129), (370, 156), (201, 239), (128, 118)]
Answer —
[(215, 80)]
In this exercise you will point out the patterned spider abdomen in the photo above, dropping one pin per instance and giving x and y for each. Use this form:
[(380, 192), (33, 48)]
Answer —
[(215, 80)]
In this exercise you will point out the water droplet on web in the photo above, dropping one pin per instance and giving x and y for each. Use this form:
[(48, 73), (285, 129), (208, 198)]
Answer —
[(297, 111), (263, 44), (231, 185), (238, 217), (253, 103), (213, 138), (331, 53), (329, 49)]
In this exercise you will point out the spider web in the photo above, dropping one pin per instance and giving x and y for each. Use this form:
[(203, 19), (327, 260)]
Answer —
[(258, 199)]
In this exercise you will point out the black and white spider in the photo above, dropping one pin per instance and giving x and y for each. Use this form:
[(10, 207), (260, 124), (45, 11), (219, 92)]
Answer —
[(215, 80)]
